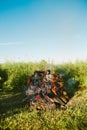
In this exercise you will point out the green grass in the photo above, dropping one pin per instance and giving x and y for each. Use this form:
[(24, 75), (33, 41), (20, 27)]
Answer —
[(15, 115)]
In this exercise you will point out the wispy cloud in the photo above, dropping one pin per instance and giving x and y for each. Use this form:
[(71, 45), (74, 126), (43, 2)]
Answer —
[(9, 43)]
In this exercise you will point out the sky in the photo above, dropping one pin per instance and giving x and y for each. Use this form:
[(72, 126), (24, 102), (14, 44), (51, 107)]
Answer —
[(35, 30)]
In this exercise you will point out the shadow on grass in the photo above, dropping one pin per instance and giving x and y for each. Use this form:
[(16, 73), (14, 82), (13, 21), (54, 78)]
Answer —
[(11, 104)]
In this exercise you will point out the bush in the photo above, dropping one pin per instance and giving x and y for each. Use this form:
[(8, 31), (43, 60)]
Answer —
[(3, 77), (14, 76), (17, 74)]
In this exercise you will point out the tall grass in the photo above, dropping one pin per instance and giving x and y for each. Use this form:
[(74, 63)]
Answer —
[(13, 76), (76, 71), (14, 115)]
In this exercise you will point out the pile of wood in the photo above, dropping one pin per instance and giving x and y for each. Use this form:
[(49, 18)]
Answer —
[(46, 90)]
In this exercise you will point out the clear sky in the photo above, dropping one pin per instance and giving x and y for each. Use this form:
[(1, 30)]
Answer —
[(32, 30)]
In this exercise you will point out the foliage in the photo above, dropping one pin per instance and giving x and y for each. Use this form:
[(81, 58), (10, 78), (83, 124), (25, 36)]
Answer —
[(15, 75), (75, 71), (15, 116), (3, 76), (14, 113), (18, 74), (43, 65)]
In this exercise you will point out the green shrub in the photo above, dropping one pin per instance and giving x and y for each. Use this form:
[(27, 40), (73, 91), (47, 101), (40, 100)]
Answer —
[(15, 75)]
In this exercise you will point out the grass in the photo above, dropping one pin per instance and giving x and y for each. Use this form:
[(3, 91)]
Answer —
[(15, 115)]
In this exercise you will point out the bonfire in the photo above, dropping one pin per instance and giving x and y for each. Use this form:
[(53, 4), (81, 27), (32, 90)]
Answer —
[(45, 90)]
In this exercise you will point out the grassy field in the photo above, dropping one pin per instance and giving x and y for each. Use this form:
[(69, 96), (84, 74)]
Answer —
[(15, 115)]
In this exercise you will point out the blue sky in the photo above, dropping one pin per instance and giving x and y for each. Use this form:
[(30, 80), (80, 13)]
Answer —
[(53, 30)]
